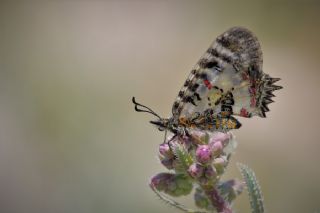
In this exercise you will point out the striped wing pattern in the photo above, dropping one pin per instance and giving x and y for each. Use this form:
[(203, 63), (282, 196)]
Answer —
[(227, 80)]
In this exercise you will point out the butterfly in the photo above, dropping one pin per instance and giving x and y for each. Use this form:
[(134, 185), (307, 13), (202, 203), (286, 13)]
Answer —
[(227, 81)]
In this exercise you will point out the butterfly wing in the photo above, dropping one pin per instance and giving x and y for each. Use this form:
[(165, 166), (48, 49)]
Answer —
[(228, 79)]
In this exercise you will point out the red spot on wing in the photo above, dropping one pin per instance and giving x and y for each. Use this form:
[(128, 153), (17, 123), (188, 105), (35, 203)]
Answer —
[(252, 90), (207, 83), (245, 76), (253, 102), (244, 112)]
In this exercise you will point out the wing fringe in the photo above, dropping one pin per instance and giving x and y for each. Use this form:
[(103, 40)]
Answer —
[(266, 90)]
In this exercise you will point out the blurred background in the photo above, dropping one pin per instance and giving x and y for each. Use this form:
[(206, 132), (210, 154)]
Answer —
[(70, 141)]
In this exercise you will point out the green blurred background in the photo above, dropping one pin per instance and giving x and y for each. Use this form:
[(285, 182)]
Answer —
[(70, 140)]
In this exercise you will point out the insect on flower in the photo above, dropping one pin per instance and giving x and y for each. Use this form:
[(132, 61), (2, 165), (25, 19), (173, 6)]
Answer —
[(227, 81)]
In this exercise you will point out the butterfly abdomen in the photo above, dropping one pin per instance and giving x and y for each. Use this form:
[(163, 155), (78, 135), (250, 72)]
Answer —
[(227, 123), (210, 122)]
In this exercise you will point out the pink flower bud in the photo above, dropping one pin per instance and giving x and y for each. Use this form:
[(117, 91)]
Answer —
[(220, 136), (165, 151), (210, 172), (168, 163), (204, 154), (195, 170), (161, 180), (217, 148), (219, 164)]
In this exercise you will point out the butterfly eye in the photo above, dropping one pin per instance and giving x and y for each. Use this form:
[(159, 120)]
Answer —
[(161, 129)]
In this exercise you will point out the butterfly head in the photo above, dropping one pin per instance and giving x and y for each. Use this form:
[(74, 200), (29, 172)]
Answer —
[(162, 123)]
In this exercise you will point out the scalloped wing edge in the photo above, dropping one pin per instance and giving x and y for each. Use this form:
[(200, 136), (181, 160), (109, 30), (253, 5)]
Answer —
[(266, 90)]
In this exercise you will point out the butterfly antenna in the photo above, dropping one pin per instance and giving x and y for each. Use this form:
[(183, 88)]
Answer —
[(143, 108)]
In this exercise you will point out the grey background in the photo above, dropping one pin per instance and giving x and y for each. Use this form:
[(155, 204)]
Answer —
[(69, 138)]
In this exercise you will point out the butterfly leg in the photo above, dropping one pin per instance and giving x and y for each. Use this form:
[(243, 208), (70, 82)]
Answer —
[(187, 133), (181, 131), (171, 139)]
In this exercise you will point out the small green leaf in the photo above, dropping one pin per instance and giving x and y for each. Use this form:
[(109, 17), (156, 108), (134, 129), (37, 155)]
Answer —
[(253, 187), (184, 159)]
